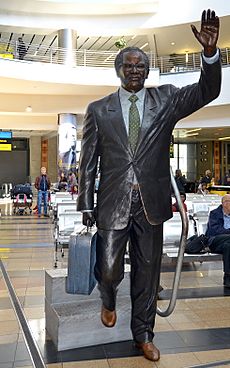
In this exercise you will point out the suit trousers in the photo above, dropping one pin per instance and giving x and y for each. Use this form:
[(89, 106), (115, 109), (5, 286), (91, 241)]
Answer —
[(145, 249), (221, 244)]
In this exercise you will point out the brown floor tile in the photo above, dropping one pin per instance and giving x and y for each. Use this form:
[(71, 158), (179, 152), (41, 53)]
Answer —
[(215, 314), (9, 339), (218, 324), (180, 360), (188, 325), (88, 364), (135, 362), (213, 355), (36, 312), (23, 364), (183, 317), (7, 314), (9, 327)]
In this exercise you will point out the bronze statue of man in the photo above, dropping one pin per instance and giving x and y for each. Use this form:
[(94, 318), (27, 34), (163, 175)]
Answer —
[(129, 131)]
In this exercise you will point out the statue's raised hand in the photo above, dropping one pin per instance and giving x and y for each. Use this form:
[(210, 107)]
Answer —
[(209, 32)]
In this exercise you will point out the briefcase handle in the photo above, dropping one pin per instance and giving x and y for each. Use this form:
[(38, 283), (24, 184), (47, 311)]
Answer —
[(88, 227), (84, 229)]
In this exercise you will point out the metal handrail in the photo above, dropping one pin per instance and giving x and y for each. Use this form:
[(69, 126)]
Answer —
[(174, 63), (183, 238)]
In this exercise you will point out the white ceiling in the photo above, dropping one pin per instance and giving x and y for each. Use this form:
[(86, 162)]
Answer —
[(49, 99), (157, 39), (80, 7)]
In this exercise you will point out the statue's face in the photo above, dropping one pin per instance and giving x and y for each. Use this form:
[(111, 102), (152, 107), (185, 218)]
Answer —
[(133, 71)]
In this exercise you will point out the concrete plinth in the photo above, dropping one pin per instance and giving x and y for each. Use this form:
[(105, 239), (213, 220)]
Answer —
[(73, 321)]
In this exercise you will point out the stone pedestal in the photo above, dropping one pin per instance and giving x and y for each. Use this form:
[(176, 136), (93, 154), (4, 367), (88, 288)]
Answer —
[(73, 321)]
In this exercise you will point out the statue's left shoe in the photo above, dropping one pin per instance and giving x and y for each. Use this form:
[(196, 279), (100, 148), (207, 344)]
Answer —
[(150, 351), (108, 318)]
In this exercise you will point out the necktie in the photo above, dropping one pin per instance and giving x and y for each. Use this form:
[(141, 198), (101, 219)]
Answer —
[(73, 158), (134, 122)]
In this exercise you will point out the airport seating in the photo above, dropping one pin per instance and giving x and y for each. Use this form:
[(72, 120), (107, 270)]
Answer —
[(66, 219), (198, 211)]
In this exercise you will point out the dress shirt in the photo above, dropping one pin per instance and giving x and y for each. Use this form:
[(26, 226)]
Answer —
[(226, 220), (125, 104), (212, 59)]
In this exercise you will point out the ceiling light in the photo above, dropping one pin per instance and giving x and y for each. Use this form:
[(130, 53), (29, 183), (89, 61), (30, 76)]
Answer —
[(145, 44), (224, 139), (190, 135), (192, 130), (28, 109), (186, 56), (133, 37), (172, 43)]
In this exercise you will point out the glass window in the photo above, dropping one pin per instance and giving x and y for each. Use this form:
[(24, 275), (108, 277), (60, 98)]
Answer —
[(179, 161)]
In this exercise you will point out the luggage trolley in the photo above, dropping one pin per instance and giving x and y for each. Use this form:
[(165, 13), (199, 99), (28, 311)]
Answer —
[(22, 197)]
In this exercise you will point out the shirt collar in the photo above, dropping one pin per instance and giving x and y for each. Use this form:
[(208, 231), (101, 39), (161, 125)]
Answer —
[(124, 94), (225, 214)]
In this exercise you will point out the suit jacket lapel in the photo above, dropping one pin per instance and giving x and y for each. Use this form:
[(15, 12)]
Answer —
[(117, 121), (149, 115), (118, 124)]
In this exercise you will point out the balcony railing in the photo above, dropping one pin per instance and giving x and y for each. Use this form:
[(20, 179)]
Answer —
[(174, 63)]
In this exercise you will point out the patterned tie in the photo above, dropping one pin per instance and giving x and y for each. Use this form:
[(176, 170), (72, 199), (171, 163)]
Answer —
[(73, 158), (134, 122)]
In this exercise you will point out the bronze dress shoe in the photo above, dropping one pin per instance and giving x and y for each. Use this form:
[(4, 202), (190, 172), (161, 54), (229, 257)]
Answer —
[(150, 351), (108, 318)]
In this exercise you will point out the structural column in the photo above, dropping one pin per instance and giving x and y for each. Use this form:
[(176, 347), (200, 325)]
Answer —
[(67, 43), (35, 157), (67, 141)]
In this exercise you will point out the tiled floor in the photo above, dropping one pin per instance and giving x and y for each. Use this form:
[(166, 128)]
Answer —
[(197, 333)]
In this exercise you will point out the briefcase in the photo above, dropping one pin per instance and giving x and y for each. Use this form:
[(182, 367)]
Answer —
[(81, 261)]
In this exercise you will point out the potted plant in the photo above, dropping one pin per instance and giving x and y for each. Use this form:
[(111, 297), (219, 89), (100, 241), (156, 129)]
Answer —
[(120, 43)]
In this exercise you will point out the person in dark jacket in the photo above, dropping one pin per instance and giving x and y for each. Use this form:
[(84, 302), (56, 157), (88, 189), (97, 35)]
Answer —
[(218, 232), (226, 180), (21, 49), (180, 180), (42, 184), (129, 133), (207, 178)]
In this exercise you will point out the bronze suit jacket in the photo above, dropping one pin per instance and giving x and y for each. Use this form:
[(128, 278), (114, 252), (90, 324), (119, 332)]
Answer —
[(105, 139)]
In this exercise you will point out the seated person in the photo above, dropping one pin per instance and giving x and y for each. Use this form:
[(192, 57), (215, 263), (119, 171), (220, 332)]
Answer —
[(227, 178), (62, 184), (202, 189), (74, 189), (71, 180), (218, 232), (207, 178), (175, 207)]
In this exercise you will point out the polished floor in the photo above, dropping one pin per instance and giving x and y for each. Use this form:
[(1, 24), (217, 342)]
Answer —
[(197, 334)]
